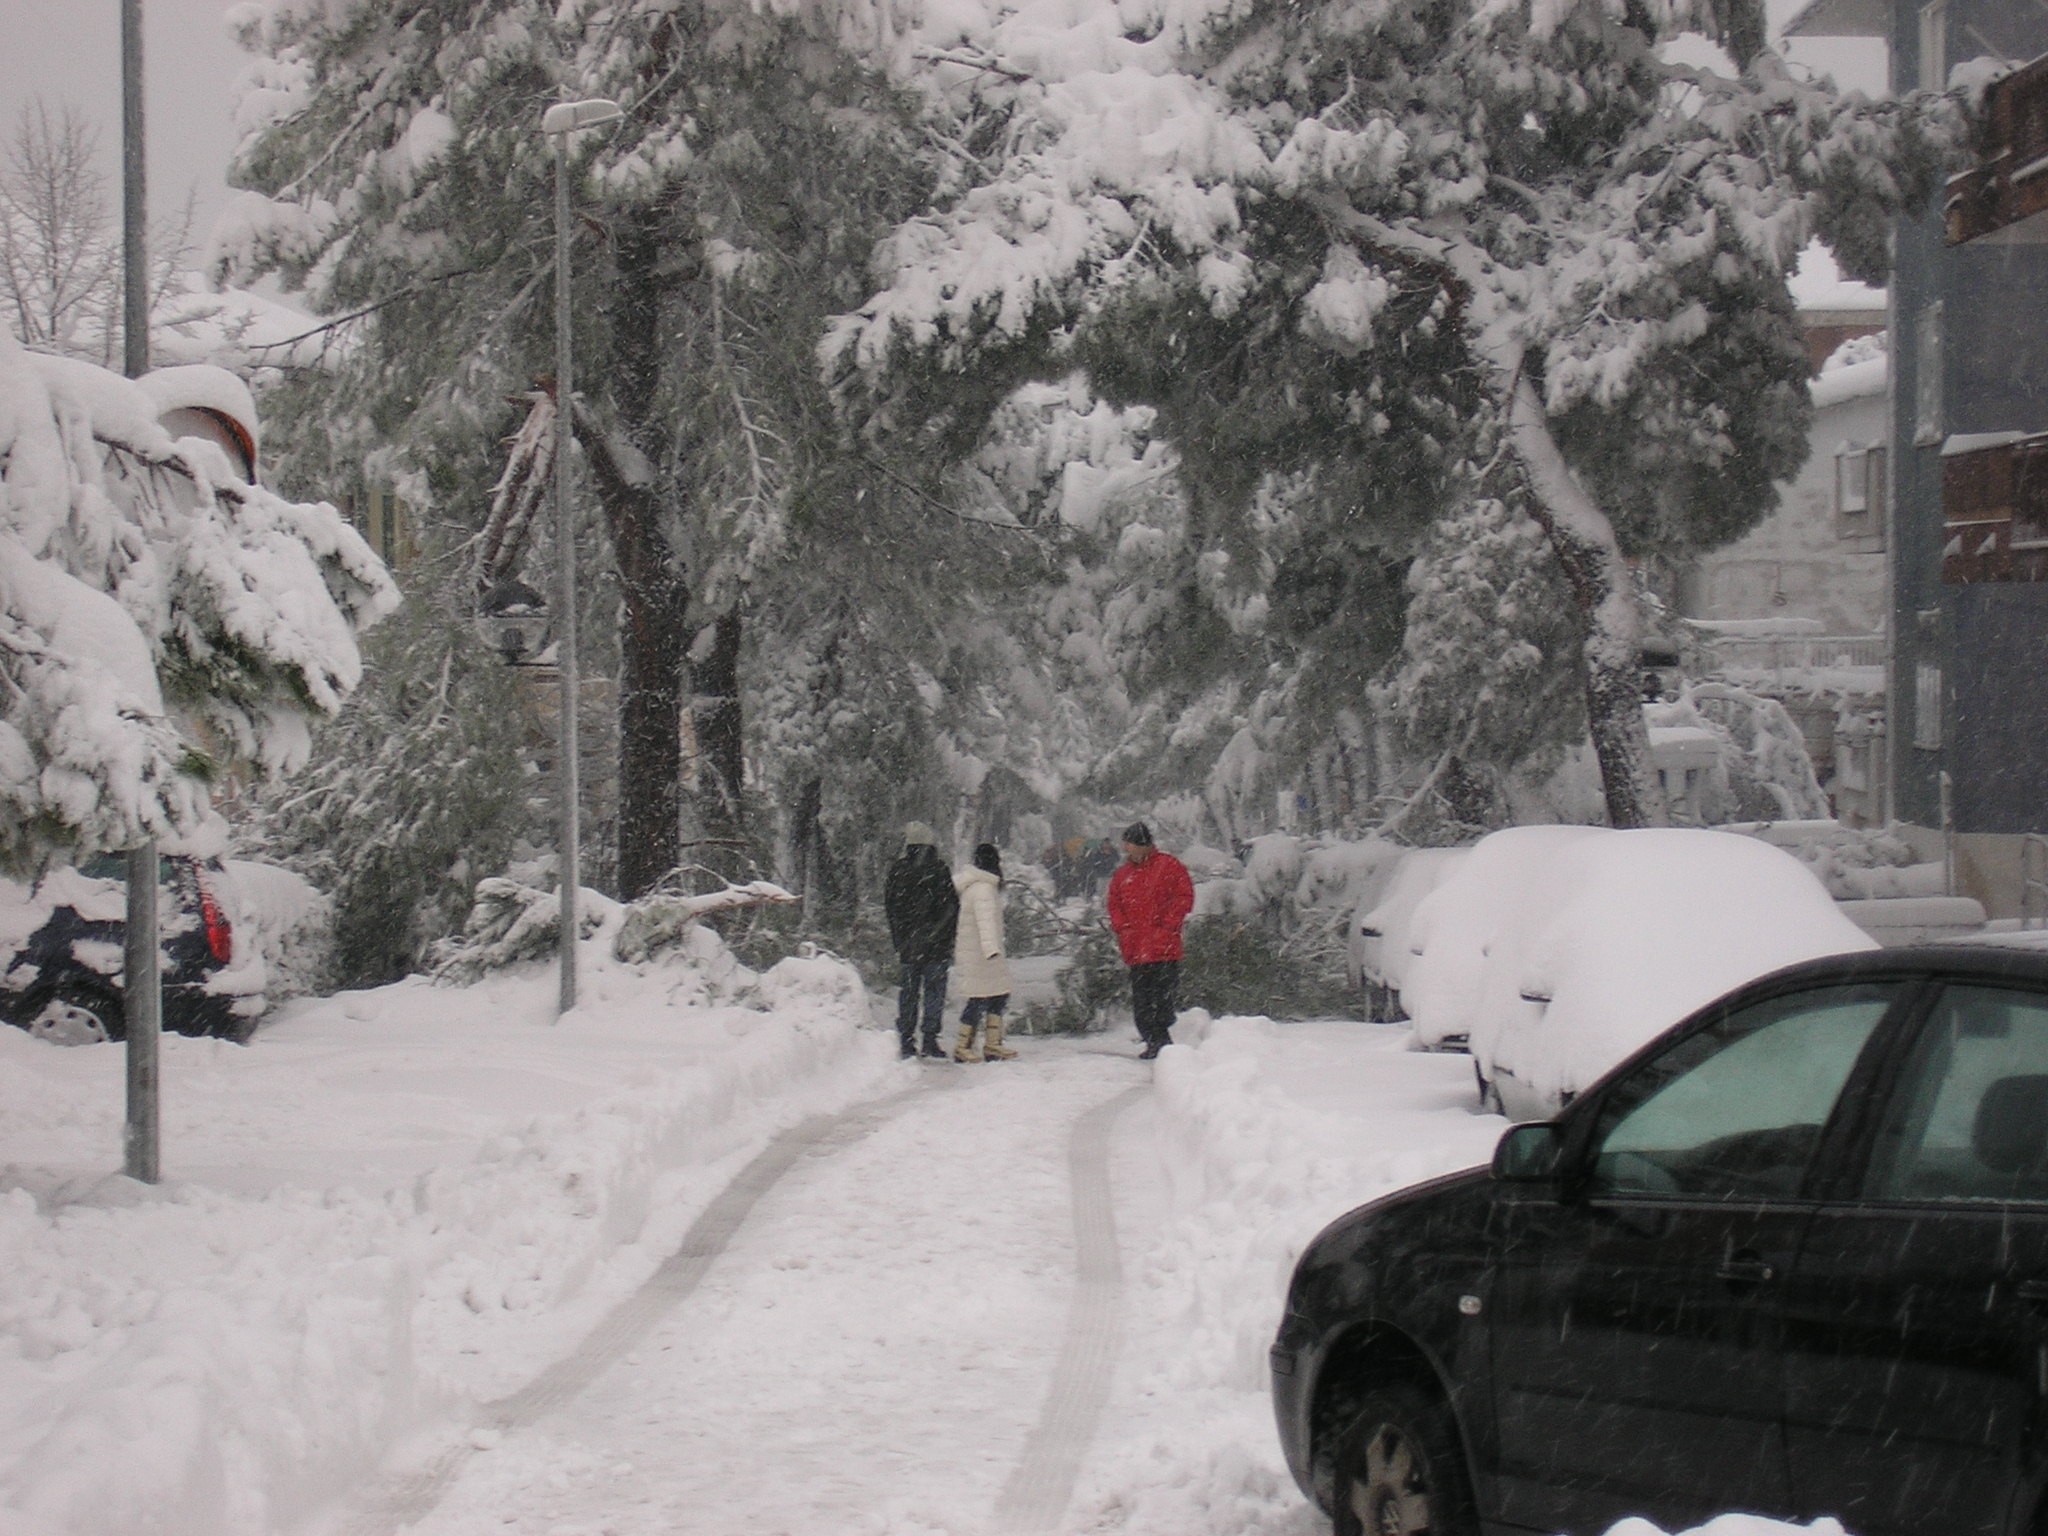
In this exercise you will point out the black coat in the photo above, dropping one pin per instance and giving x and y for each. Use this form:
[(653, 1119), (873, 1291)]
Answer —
[(923, 907)]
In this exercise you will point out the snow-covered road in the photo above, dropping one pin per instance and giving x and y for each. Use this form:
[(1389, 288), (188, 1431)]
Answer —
[(702, 1258), (914, 1327)]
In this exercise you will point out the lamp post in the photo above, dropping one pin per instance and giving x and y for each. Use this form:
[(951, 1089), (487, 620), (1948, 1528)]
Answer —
[(558, 122), (142, 967)]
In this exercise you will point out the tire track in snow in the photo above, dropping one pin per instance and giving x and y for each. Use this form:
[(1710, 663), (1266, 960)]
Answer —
[(1042, 1485), (411, 1497)]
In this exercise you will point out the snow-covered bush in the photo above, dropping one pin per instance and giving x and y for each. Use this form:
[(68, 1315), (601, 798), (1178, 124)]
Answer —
[(510, 922), (657, 923), (1858, 863)]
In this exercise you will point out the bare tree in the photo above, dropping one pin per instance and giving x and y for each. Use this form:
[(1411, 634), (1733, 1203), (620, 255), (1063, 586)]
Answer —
[(59, 259), (60, 248)]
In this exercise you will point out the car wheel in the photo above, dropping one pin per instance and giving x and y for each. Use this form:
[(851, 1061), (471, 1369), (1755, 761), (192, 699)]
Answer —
[(74, 1016), (1399, 1469), (1383, 1004)]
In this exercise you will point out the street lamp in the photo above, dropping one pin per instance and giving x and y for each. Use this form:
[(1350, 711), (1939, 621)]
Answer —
[(559, 121)]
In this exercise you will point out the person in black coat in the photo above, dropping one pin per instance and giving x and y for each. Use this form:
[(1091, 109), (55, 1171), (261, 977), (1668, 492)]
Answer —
[(924, 914)]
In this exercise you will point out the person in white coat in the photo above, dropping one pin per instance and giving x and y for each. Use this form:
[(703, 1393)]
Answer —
[(978, 958)]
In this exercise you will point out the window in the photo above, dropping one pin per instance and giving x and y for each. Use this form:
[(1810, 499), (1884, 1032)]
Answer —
[(1970, 1121), (1927, 366), (1934, 46), (1859, 485), (1927, 707), (1735, 1111)]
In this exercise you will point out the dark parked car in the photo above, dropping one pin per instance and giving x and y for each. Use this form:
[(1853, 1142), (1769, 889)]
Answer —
[(1791, 1259), (65, 983)]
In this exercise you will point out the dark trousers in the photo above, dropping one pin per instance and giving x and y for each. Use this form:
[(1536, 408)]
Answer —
[(924, 991), (1155, 992)]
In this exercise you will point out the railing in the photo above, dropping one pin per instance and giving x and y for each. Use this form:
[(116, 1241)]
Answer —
[(2010, 180), (1781, 653)]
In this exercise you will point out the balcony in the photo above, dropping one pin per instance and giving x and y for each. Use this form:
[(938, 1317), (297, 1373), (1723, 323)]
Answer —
[(2009, 185), (1994, 505)]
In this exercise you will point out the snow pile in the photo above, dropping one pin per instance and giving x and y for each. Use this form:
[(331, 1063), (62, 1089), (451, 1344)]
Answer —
[(1557, 951), (1262, 1136), (394, 1204)]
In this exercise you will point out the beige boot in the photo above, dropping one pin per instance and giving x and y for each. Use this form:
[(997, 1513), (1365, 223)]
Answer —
[(965, 1050), (995, 1050)]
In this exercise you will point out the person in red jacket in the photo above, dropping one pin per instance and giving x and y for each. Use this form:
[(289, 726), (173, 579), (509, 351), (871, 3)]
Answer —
[(1150, 896)]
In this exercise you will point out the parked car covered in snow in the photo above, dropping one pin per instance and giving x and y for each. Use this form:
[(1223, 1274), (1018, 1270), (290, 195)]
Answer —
[(1557, 951), (61, 979), (1790, 1258), (1376, 957)]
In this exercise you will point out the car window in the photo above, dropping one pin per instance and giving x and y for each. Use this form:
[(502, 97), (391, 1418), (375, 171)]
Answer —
[(1970, 1118), (1735, 1110)]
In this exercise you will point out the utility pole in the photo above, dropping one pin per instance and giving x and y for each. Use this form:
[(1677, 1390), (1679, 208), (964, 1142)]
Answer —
[(142, 989)]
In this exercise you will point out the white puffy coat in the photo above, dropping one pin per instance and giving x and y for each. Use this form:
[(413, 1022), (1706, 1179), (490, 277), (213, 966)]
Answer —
[(978, 963)]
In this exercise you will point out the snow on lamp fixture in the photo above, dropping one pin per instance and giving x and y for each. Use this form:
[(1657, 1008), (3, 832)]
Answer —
[(568, 116)]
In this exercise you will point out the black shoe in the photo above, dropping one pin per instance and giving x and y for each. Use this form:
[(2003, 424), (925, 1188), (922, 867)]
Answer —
[(905, 1050), (932, 1052), (1151, 1050)]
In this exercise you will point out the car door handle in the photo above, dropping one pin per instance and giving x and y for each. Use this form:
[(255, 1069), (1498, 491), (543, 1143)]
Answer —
[(2032, 1291), (1744, 1269)]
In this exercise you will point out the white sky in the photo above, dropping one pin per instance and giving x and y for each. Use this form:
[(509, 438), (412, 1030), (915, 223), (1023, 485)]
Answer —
[(69, 51)]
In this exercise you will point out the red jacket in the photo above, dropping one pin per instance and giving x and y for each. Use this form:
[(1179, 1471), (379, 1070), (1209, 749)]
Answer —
[(1147, 904)]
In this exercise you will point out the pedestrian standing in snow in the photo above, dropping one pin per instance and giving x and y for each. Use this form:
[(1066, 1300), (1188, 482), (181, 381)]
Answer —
[(978, 956), (924, 912), (1150, 897)]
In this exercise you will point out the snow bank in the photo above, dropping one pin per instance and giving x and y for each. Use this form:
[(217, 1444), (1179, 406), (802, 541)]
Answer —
[(1266, 1132), (396, 1203)]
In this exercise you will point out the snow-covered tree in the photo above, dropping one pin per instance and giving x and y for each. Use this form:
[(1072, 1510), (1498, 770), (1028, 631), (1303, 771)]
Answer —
[(419, 790), (1427, 253), (159, 616), (397, 172)]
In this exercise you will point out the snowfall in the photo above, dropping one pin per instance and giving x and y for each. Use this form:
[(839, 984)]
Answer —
[(701, 1256)]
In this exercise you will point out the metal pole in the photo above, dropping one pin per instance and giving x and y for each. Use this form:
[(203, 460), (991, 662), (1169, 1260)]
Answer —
[(142, 985), (565, 567)]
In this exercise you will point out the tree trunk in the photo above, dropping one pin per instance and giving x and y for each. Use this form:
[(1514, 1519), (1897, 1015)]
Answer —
[(1579, 532), (655, 596), (1590, 557), (721, 761), (653, 580)]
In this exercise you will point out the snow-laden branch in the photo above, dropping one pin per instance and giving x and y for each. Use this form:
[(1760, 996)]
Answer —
[(162, 616)]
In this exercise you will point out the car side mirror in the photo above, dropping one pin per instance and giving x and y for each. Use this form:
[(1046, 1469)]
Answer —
[(1530, 1154)]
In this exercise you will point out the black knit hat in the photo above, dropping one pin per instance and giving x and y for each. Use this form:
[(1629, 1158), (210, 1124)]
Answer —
[(1138, 835)]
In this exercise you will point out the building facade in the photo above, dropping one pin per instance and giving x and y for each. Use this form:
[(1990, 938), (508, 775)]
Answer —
[(1968, 451)]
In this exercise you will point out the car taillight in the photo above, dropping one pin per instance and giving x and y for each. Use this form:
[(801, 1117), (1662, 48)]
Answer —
[(220, 934)]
